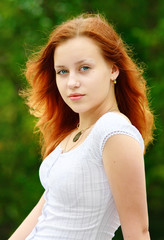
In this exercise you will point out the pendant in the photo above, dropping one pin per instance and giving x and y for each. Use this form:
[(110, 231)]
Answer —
[(77, 136)]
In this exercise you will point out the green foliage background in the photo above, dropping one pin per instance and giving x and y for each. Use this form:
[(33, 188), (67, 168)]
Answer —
[(25, 25)]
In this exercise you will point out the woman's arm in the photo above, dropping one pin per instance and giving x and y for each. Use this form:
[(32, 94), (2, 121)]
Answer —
[(29, 223), (124, 167)]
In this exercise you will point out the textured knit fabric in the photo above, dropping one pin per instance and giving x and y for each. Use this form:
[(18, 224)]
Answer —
[(78, 199)]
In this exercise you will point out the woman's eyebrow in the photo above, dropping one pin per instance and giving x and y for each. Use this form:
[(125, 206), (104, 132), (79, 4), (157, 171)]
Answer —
[(78, 62)]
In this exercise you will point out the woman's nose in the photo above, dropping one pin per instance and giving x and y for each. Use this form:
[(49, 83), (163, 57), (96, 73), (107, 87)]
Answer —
[(73, 81)]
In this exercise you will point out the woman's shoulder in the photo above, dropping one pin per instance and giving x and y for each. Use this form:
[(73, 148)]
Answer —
[(112, 123), (114, 118)]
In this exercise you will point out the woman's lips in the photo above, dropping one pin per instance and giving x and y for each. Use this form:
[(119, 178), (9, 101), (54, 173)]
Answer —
[(76, 96)]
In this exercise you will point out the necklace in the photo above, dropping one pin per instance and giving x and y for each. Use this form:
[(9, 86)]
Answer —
[(77, 136)]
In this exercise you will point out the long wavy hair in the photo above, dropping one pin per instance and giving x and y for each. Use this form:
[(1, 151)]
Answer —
[(55, 119)]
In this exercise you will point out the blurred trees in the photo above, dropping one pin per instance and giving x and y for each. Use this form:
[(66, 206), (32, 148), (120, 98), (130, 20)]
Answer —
[(25, 25)]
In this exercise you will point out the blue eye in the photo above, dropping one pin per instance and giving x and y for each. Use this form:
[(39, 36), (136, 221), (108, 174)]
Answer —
[(84, 68), (62, 72)]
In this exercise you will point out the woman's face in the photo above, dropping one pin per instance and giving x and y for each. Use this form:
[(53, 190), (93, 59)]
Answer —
[(83, 77)]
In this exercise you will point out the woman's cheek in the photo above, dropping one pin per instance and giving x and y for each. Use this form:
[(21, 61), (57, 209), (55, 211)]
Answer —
[(59, 86)]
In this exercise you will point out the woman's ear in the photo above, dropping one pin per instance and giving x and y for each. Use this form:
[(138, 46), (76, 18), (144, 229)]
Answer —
[(115, 72)]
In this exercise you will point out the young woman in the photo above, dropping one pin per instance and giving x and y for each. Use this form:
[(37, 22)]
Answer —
[(90, 99)]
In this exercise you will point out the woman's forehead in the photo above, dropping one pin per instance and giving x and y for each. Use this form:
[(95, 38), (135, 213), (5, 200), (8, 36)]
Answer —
[(77, 49)]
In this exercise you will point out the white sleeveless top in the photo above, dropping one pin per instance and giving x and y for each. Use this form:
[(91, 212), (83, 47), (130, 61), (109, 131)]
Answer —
[(78, 200)]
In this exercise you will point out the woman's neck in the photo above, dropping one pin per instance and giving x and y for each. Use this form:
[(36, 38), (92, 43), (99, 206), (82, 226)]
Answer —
[(88, 119)]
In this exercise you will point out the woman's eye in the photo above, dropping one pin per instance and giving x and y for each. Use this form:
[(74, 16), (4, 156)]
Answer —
[(62, 72), (84, 68)]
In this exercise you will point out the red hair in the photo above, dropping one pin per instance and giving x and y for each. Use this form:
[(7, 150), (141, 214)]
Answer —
[(55, 118)]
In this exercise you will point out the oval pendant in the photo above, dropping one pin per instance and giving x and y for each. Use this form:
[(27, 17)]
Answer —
[(76, 137)]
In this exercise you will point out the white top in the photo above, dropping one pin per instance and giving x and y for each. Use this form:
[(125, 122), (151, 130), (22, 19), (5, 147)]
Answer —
[(78, 200)]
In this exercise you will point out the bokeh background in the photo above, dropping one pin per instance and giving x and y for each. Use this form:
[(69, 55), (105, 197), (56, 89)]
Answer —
[(25, 25)]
